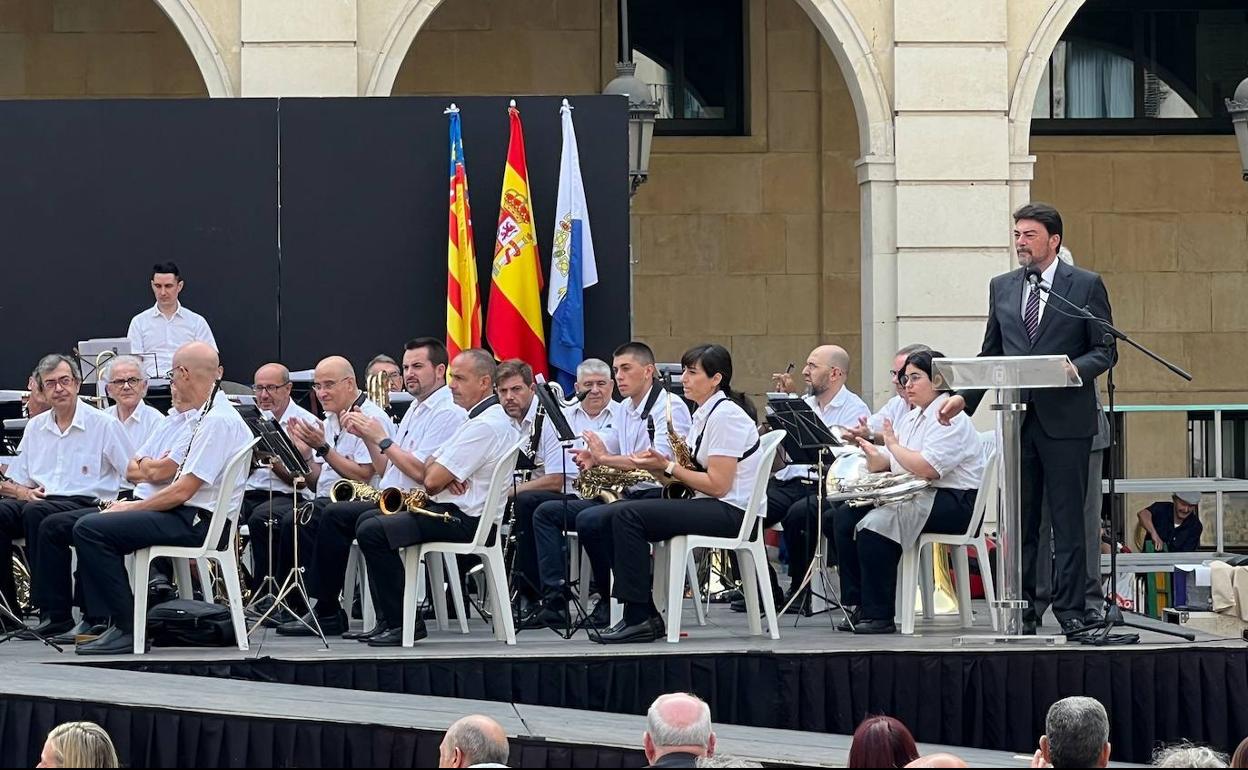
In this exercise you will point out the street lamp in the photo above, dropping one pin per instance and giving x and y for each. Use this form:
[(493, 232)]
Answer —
[(642, 110), (1238, 107)]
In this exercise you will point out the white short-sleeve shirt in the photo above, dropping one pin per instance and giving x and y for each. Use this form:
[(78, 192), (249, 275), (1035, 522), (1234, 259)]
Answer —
[(893, 410), (137, 427), (348, 444), (263, 479), (427, 425), (844, 409), (727, 431), (472, 453), (954, 451), (151, 332), (220, 434), (87, 459), (169, 438)]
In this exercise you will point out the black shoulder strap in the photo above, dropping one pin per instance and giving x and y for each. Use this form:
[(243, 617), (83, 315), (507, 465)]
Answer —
[(698, 444), (481, 407), (653, 398)]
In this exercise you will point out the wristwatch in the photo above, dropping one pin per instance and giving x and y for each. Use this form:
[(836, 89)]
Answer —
[(385, 444), (322, 450), (670, 470)]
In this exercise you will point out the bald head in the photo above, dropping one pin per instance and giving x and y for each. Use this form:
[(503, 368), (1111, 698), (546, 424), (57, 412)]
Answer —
[(197, 355), (825, 372), (272, 388), (938, 760), (474, 740), (334, 367), (334, 383), (678, 722), (196, 368)]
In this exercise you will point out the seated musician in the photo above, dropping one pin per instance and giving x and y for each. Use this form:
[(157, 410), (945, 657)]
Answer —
[(35, 402), (542, 552), (126, 385), (179, 510), (270, 480), (428, 423), (386, 365), (158, 331), (724, 443), (457, 480), (70, 457), (870, 541), (334, 453), (897, 406), (791, 492)]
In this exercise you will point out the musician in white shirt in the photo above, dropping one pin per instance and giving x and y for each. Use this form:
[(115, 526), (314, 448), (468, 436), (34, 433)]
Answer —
[(457, 481), (384, 364), (870, 540), (897, 406), (429, 422), (179, 508), (724, 443), (126, 385), (70, 458), (161, 329)]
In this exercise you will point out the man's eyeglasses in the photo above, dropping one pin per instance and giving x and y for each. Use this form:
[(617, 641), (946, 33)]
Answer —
[(328, 385), (129, 382), (61, 382), (271, 388)]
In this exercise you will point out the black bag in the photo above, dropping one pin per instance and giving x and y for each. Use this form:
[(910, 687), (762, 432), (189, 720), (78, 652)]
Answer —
[(187, 623)]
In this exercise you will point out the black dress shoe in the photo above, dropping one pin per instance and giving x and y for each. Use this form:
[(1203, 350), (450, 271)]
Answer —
[(649, 630), (600, 618), (1093, 618), (1074, 627), (393, 637), (49, 628), (875, 627), (1029, 627), (114, 641), (365, 634), (84, 632), (855, 617), (334, 625)]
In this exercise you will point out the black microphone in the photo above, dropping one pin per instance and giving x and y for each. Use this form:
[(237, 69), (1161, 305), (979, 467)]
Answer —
[(1035, 279)]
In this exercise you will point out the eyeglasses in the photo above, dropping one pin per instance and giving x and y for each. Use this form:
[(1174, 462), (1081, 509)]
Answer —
[(129, 382), (177, 369), (61, 382), (328, 385), (272, 388), (915, 378)]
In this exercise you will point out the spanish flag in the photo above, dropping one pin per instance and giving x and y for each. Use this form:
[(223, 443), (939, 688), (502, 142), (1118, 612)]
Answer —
[(513, 323), (463, 300)]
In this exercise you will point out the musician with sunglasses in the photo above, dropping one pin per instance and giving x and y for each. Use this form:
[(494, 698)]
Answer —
[(179, 510)]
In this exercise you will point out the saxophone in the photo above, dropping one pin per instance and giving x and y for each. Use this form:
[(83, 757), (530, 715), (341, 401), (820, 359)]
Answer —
[(607, 484), (681, 454), (392, 500), (348, 491)]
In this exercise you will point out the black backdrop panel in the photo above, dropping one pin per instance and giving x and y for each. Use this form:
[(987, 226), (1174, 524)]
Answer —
[(364, 214), (93, 192)]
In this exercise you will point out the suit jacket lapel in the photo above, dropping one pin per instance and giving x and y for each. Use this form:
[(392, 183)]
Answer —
[(1014, 293), (1061, 285)]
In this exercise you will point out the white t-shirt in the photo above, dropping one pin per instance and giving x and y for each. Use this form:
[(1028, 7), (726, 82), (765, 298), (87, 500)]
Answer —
[(88, 459), (426, 426), (472, 453), (729, 432), (348, 444), (844, 409), (955, 451), (263, 479), (150, 332)]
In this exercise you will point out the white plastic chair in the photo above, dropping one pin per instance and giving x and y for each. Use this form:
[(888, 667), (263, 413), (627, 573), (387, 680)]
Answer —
[(910, 576), (225, 514), (491, 555), (672, 563)]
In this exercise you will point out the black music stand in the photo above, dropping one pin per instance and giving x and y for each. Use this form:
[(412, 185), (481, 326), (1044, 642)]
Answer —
[(808, 441)]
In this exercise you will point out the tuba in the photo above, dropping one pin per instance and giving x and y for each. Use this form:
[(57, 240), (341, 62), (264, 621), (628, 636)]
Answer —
[(377, 386)]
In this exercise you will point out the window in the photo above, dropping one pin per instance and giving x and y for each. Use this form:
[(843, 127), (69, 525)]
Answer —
[(692, 55), (1202, 452), (1145, 66)]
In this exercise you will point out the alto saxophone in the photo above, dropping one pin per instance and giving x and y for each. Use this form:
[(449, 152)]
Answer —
[(392, 500), (607, 484), (348, 491), (681, 454)]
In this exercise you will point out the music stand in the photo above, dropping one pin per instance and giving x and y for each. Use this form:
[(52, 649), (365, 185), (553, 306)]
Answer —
[(808, 440)]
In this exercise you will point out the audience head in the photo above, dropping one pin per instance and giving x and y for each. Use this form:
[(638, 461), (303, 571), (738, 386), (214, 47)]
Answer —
[(1188, 755), (334, 383), (723, 760), (472, 377), (678, 723), (827, 368), (593, 377), (514, 384), (272, 387), (474, 740), (385, 365), (124, 380), (938, 760), (882, 742), (1240, 758), (59, 381), (1076, 734), (78, 744), (424, 366), (166, 285), (633, 364)]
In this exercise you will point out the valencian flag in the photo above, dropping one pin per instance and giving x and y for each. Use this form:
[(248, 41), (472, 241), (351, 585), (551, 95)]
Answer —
[(513, 323), (572, 265), (463, 300)]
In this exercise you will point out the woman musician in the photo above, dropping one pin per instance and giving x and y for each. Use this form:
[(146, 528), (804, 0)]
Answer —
[(723, 442), (870, 540)]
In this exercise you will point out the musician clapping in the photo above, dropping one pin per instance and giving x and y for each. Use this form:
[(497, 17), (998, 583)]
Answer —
[(869, 541)]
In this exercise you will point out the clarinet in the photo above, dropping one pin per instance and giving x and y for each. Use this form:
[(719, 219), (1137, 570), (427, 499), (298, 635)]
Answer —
[(203, 412)]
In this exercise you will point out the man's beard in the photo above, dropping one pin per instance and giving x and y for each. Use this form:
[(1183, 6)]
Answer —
[(816, 390)]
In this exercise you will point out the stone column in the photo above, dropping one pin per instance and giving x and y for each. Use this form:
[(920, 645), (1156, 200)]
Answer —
[(878, 187), (299, 48)]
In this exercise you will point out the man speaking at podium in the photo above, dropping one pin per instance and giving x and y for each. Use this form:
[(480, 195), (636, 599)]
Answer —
[(1060, 423)]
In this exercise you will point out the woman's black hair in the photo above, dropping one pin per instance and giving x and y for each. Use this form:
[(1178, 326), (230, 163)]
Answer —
[(921, 360), (713, 360)]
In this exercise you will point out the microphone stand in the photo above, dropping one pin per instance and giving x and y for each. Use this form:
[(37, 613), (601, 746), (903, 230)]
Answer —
[(1113, 612)]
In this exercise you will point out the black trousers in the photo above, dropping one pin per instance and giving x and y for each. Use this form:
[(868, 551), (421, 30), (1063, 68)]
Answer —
[(525, 574), (21, 519), (271, 527), (52, 582), (868, 560), (637, 523), (104, 539), (1055, 471), (795, 503), (327, 566), (385, 569)]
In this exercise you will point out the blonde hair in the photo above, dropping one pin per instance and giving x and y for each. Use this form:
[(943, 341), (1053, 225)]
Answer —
[(83, 744)]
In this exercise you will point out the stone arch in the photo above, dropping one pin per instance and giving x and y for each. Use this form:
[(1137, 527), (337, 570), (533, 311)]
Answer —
[(199, 41), (1023, 98)]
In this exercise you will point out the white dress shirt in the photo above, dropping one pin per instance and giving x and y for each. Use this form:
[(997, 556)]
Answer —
[(152, 333), (472, 453), (427, 425), (87, 459), (263, 479), (347, 444), (221, 434), (633, 432), (169, 438), (728, 432), (137, 428), (893, 410), (1047, 275), (548, 457), (579, 421), (844, 409), (954, 451)]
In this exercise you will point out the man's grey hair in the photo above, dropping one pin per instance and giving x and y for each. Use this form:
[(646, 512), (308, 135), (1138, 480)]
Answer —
[(722, 760), (917, 347), (593, 366), (127, 360), (1077, 729), (50, 362), (483, 364), (478, 748), (380, 358), (663, 734), (1189, 755)]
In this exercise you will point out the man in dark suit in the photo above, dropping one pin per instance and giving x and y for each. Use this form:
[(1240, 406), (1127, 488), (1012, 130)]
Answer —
[(1060, 423)]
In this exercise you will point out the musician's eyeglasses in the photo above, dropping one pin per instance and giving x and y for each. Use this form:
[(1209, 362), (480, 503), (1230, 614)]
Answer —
[(61, 382), (915, 377), (328, 385), (269, 388), (129, 382)]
